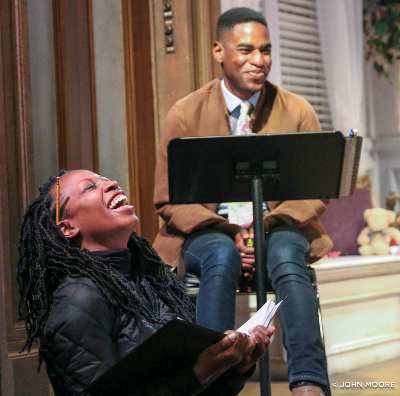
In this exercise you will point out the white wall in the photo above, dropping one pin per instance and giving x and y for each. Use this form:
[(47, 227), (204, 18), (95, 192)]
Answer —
[(384, 123)]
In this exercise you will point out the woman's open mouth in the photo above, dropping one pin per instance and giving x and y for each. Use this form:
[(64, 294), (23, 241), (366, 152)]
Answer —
[(118, 201)]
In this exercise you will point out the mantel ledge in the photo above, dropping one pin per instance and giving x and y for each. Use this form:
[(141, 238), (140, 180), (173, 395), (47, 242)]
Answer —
[(351, 267)]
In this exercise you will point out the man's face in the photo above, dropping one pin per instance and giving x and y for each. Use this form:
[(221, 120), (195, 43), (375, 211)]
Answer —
[(245, 55), (96, 211)]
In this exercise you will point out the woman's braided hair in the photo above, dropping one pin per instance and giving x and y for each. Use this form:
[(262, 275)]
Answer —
[(46, 257)]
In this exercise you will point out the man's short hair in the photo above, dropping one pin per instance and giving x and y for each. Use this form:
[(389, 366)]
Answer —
[(237, 15)]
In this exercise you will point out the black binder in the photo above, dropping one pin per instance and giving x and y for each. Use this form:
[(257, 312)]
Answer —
[(175, 346)]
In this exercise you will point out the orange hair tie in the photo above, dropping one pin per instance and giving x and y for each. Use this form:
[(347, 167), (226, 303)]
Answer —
[(58, 200)]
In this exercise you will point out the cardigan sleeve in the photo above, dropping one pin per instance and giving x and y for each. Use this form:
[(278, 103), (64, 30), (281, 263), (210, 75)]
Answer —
[(182, 218)]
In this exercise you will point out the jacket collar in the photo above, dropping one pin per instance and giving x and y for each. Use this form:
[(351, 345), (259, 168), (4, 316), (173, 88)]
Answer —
[(232, 101), (263, 109), (258, 118), (119, 259)]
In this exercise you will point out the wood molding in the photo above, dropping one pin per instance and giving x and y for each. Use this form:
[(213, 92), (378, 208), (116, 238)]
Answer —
[(5, 121), (205, 14), (168, 13), (191, 64), (76, 94), (15, 151), (340, 302), (93, 105), (15, 172), (140, 111), (23, 99), (355, 267), (215, 11), (173, 72)]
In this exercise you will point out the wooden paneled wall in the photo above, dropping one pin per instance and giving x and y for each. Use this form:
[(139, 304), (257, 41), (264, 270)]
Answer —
[(140, 110), (167, 54), (76, 96), (187, 63), (15, 173)]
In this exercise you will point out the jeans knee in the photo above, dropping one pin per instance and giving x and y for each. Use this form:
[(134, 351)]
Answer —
[(281, 278), (288, 235), (287, 245), (287, 253), (292, 268), (212, 253), (223, 258), (226, 260)]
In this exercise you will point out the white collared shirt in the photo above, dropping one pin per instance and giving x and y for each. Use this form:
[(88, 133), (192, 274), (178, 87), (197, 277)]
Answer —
[(232, 102), (238, 213)]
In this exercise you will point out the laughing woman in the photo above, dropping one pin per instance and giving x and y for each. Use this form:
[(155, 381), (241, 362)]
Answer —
[(92, 290)]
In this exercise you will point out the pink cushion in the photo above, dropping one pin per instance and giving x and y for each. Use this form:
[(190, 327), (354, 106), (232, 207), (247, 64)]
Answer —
[(343, 219)]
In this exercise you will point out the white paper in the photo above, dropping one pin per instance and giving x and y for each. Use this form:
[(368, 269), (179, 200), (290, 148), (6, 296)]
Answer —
[(240, 213), (262, 317)]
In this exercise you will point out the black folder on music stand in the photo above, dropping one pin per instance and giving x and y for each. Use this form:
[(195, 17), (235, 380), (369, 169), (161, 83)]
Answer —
[(259, 168)]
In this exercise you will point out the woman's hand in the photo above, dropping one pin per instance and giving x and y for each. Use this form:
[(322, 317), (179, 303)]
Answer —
[(258, 341), (219, 357)]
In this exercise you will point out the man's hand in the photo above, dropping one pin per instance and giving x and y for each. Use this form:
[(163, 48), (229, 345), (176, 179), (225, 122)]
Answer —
[(246, 252)]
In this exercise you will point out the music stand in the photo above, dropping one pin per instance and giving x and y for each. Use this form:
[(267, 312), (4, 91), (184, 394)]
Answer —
[(257, 168)]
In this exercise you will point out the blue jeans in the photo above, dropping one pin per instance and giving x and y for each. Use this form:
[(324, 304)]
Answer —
[(214, 258)]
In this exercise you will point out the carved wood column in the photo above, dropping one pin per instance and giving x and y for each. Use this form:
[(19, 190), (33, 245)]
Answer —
[(76, 98), (140, 110), (15, 140), (16, 177), (205, 15), (190, 64)]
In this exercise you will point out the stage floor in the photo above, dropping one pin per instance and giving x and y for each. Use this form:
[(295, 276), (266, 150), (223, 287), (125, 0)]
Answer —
[(381, 379)]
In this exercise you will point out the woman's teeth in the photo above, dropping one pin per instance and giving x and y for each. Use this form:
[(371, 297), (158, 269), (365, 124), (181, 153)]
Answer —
[(119, 200)]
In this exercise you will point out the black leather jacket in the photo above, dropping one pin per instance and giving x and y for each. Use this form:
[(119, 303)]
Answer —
[(85, 335)]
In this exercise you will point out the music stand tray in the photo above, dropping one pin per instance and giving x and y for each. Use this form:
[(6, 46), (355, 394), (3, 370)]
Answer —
[(297, 165)]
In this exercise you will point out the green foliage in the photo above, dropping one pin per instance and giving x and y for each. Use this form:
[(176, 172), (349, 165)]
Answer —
[(382, 33)]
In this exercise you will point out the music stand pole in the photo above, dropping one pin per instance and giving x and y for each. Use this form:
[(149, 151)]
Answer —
[(261, 273)]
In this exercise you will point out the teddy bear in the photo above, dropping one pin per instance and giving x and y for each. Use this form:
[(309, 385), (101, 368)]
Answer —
[(379, 235)]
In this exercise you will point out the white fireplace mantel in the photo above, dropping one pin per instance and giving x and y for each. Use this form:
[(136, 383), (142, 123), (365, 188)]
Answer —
[(360, 305)]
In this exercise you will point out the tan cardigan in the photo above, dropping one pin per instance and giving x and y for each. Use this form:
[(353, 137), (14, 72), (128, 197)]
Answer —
[(203, 113)]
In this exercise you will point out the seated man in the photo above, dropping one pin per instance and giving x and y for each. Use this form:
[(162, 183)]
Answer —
[(201, 238), (92, 290)]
